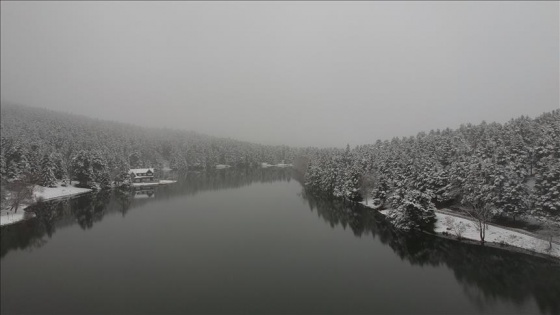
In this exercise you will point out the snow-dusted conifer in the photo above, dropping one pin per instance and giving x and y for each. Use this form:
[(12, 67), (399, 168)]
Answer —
[(47, 178), (81, 166), (104, 180), (415, 211)]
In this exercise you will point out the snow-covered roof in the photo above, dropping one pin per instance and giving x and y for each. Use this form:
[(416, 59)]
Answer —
[(140, 170)]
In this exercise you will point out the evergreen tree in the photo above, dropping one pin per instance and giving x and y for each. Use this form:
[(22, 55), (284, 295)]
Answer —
[(47, 178), (2, 166), (104, 180), (98, 166), (415, 211), (59, 166), (547, 188), (134, 160), (16, 161), (81, 166), (35, 160)]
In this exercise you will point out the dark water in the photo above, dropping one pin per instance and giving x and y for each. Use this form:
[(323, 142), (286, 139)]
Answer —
[(252, 242)]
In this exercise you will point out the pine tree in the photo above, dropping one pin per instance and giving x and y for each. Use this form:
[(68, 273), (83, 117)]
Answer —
[(35, 160), (104, 180), (2, 165), (59, 166), (47, 178), (415, 211), (547, 188), (16, 161), (81, 166), (99, 167), (134, 160)]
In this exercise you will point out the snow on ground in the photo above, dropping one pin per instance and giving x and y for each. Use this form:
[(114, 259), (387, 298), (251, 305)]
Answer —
[(283, 165), (51, 193), (161, 182), (369, 204), (494, 234), (266, 165), (222, 166), (10, 217), (46, 193)]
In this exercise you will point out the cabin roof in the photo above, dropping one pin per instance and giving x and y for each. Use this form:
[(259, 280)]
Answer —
[(141, 170)]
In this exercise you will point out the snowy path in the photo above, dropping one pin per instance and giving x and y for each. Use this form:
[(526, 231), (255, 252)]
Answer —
[(46, 193), (494, 234)]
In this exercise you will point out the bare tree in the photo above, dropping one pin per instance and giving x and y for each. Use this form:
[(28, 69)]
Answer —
[(548, 231), (21, 190), (457, 228), (479, 194), (481, 214)]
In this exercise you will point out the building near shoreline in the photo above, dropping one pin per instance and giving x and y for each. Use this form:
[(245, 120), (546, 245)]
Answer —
[(142, 175)]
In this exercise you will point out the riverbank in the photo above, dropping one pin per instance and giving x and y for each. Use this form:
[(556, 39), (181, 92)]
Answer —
[(161, 182), (448, 224), (39, 193)]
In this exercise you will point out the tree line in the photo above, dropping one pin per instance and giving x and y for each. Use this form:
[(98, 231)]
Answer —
[(489, 169), (51, 146)]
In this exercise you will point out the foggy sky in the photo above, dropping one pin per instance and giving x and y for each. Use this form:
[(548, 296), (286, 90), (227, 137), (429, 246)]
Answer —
[(313, 73)]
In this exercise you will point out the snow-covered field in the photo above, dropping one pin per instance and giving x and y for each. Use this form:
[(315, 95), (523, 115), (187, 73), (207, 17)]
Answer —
[(46, 193), (494, 234)]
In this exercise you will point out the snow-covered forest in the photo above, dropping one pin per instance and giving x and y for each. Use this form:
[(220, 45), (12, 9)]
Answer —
[(510, 169), (53, 146)]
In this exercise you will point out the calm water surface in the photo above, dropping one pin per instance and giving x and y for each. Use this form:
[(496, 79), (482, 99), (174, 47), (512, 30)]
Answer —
[(251, 242)]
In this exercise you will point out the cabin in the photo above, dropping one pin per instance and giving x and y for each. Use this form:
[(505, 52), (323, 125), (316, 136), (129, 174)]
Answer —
[(142, 175)]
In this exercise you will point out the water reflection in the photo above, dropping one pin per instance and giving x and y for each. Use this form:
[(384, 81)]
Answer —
[(86, 210), (486, 274)]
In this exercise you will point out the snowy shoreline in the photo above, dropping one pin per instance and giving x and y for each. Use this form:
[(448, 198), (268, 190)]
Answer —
[(496, 236), (161, 182), (40, 193), (8, 217)]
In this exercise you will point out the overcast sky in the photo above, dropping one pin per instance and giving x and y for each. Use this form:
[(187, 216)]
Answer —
[(314, 73)]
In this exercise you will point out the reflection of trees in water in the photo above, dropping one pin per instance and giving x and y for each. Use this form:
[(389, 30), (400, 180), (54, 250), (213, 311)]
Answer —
[(50, 215), (123, 199), (192, 183), (86, 210), (487, 274), (91, 208)]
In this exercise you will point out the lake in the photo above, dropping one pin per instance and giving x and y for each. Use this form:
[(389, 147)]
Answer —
[(252, 241)]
